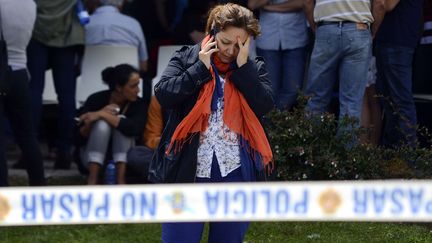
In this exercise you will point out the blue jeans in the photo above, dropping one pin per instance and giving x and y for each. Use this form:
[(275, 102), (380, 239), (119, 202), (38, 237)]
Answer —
[(394, 64), (286, 71), (226, 232), (341, 53), (61, 60)]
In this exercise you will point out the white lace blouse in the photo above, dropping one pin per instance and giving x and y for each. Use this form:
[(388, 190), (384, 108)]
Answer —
[(218, 139)]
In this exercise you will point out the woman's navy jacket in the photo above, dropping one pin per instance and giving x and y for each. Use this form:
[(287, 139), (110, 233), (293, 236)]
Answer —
[(177, 91)]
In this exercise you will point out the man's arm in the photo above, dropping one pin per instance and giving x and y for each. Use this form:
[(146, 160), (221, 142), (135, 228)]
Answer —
[(390, 4), (308, 8), (378, 12), (161, 14), (143, 66), (290, 6)]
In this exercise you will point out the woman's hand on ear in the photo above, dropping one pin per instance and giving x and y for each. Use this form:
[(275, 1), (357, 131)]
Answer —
[(243, 51), (206, 52)]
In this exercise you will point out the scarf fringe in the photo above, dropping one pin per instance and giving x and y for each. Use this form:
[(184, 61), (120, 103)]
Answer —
[(266, 162), (178, 144)]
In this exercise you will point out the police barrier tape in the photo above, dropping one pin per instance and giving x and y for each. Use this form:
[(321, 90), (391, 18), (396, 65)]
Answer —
[(394, 200)]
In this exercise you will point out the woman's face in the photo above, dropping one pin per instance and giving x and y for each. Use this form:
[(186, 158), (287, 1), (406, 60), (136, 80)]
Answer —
[(131, 89), (227, 43)]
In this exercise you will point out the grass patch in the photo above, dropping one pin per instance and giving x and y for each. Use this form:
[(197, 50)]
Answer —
[(83, 233), (258, 232), (337, 232)]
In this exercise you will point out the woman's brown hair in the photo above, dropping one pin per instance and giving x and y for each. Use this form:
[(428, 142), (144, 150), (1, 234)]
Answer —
[(225, 15)]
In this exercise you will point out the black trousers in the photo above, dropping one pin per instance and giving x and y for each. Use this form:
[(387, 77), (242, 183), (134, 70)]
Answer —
[(17, 107), (3, 165)]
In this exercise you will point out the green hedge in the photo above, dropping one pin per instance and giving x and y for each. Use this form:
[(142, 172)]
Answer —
[(307, 148)]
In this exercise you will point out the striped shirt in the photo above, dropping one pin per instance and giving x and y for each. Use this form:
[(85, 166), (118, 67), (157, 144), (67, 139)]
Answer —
[(358, 11)]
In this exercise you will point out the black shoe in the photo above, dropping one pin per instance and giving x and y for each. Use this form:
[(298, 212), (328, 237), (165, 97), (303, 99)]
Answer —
[(63, 160)]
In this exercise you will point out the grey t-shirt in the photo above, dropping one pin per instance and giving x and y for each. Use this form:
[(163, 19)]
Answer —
[(17, 21)]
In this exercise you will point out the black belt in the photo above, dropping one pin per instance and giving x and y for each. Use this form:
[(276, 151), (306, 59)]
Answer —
[(338, 23)]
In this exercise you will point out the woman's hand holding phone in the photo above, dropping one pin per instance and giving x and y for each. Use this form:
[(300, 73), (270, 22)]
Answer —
[(209, 48)]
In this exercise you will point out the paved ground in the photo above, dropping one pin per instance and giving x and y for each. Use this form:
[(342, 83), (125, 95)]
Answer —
[(13, 153)]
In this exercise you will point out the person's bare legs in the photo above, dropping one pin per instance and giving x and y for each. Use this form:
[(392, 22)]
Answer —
[(93, 177), (121, 145), (375, 114), (121, 172), (365, 121)]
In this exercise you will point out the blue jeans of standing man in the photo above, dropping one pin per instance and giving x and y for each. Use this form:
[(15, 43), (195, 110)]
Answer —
[(286, 71), (342, 52), (394, 64)]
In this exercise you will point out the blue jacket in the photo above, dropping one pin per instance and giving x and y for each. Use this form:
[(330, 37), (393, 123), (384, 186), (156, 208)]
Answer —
[(178, 90)]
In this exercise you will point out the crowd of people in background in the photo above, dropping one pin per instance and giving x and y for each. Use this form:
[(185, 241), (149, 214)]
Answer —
[(373, 54)]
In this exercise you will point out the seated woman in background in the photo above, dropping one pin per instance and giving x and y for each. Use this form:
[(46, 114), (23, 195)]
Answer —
[(117, 115)]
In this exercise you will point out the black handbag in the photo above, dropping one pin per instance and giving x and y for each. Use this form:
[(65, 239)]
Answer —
[(4, 67), (163, 168)]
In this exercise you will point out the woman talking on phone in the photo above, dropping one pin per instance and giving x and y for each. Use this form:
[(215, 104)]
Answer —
[(215, 96)]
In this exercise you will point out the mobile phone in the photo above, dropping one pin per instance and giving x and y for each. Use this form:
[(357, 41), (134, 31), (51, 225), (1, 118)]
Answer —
[(213, 33)]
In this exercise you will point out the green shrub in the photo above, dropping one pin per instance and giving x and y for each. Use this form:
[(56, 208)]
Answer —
[(307, 148)]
